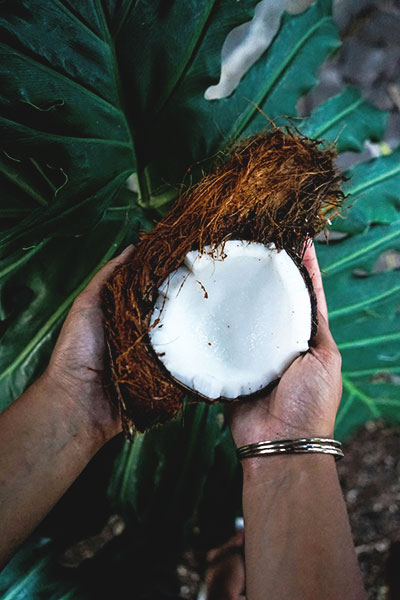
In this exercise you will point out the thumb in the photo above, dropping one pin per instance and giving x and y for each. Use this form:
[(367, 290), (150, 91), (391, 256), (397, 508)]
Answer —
[(93, 289), (323, 342), (323, 338)]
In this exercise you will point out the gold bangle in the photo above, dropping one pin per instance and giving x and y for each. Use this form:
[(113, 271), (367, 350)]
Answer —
[(297, 446)]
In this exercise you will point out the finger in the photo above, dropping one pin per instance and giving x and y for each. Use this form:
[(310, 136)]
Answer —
[(94, 287), (311, 263)]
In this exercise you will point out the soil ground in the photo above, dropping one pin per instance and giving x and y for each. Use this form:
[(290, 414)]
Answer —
[(370, 478)]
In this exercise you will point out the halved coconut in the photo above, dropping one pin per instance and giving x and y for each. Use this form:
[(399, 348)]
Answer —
[(229, 322), (232, 322)]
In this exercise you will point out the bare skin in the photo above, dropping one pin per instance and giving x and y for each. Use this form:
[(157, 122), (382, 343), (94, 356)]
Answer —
[(298, 543), (52, 431), (298, 539), (225, 576)]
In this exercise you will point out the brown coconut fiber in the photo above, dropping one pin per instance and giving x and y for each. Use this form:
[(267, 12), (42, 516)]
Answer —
[(275, 187)]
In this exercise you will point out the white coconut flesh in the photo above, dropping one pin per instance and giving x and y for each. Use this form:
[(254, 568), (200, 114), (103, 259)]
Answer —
[(229, 323)]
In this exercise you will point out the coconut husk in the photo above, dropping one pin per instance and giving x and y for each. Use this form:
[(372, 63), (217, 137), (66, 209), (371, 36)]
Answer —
[(275, 187)]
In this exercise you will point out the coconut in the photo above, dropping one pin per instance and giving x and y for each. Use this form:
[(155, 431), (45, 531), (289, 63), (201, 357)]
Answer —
[(215, 301), (220, 314)]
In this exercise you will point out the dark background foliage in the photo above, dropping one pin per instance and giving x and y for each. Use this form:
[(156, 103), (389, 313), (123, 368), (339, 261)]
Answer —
[(93, 92)]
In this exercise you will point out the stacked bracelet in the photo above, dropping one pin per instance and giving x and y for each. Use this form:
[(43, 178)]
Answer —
[(299, 446)]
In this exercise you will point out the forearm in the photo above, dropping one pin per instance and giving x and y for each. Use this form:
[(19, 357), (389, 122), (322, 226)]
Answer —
[(298, 540), (45, 442)]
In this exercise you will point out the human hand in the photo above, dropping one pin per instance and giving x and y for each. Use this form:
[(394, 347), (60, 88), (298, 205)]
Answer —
[(305, 402), (75, 371)]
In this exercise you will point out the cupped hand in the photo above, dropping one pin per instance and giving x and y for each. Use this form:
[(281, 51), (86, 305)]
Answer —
[(77, 362), (306, 400)]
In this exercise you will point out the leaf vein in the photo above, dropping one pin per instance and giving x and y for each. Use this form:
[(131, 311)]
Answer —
[(352, 389), (362, 251), (390, 337), (57, 136), (61, 311), (67, 11), (63, 76), (328, 124), (374, 181), (252, 110), (346, 310)]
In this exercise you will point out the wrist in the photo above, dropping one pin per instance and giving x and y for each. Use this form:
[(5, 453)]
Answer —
[(78, 411), (279, 431), (284, 469)]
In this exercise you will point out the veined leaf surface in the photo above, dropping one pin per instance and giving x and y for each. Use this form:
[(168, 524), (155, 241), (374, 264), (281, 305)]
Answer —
[(37, 288), (79, 111), (198, 128), (346, 120), (67, 145), (365, 321), (159, 479), (96, 90), (373, 189)]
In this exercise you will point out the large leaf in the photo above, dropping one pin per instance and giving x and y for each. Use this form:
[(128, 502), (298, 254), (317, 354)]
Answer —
[(347, 120), (158, 480), (373, 189), (95, 90), (37, 288), (195, 129), (76, 109), (75, 115), (68, 147), (365, 321)]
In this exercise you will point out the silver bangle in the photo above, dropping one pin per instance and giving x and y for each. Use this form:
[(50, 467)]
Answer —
[(299, 446)]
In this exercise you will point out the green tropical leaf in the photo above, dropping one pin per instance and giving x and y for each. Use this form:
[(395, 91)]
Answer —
[(37, 288), (158, 480), (22, 579), (75, 114), (288, 69), (96, 90), (347, 120), (196, 128), (373, 189), (67, 145), (365, 321)]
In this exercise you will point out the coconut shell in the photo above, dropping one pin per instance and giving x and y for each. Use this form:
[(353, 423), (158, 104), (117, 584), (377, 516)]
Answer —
[(275, 187)]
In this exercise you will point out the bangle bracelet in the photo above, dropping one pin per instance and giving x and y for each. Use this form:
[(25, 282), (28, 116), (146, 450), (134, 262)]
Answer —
[(299, 446)]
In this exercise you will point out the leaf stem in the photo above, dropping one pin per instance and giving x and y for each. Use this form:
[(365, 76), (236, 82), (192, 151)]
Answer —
[(144, 199)]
